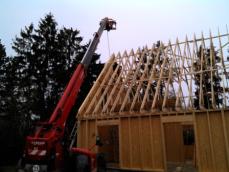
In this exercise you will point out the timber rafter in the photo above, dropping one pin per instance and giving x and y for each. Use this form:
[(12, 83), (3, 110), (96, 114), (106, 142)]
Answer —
[(173, 77)]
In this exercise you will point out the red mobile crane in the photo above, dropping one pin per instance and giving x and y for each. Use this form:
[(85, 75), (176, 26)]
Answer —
[(44, 149)]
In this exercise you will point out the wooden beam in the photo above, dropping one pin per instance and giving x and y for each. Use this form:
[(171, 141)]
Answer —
[(163, 143), (212, 62), (211, 142), (177, 118), (140, 142), (108, 122), (197, 154), (225, 134), (130, 142), (133, 80), (151, 77), (110, 80), (94, 92), (160, 76)]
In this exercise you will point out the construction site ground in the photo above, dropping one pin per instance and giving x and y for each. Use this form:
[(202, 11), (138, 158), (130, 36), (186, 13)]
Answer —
[(172, 167)]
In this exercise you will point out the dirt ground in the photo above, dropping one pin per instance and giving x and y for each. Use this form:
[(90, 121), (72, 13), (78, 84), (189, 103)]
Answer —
[(7, 169), (171, 168), (187, 167)]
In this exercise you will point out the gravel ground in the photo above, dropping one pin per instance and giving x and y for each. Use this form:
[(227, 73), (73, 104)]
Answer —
[(7, 169), (187, 167), (171, 168)]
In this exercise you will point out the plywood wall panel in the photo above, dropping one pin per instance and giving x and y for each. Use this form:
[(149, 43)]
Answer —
[(141, 143), (146, 143), (125, 143), (135, 146), (218, 141), (158, 161), (81, 141), (174, 142), (226, 133), (205, 156), (91, 134), (227, 126)]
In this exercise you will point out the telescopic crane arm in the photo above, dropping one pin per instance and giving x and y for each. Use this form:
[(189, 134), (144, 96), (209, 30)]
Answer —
[(105, 24), (46, 144), (66, 102)]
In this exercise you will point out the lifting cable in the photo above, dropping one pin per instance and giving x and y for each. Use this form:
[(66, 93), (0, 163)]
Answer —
[(108, 44)]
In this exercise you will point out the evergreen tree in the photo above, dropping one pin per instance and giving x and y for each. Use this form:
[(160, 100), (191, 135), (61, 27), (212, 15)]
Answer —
[(46, 58), (208, 57), (8, 123), (2, 51), (2, 74), (146, 63), (31, 82), (3, 63)]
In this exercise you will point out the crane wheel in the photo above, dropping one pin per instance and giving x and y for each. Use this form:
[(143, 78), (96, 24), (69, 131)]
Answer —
[(101, 163), (20, 165), (82, 163)]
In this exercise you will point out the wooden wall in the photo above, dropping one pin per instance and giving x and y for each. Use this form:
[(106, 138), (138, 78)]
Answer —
[(174, 142), (141, 143), (142, 140), (212, 129), (87, 134)]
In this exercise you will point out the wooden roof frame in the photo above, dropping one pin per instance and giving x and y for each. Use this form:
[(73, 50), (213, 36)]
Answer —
[(160, 79)]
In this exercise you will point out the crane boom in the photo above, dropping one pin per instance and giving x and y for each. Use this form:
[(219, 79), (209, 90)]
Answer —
[(66, 102), (46, 146)]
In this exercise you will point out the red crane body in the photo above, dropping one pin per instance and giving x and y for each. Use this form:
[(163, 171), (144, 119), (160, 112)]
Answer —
[(44, 149)]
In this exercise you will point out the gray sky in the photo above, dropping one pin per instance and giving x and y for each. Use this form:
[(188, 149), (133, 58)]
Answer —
[(139, 22)]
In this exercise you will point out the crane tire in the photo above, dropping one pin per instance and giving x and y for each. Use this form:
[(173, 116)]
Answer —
[(82, 163), (101, 163), (20, 166)]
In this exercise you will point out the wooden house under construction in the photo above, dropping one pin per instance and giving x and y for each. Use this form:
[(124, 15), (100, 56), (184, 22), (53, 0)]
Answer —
[(161, 105)]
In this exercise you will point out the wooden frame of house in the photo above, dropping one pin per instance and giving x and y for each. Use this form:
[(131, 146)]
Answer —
[(166, 104)]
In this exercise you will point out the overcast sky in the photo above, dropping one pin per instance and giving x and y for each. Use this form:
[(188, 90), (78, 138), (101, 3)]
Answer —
[(139, 22)]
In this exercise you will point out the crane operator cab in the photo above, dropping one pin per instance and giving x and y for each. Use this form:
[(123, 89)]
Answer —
[(110, 24)]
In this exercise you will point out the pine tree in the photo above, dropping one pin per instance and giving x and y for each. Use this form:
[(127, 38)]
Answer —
[(32, 81), (2, 77), (2, 51), (8, 108), (209, 58), (7, 72), (47, 57)]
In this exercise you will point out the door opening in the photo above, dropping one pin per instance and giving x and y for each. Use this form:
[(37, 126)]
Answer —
[(109, 135), (180, 145)]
